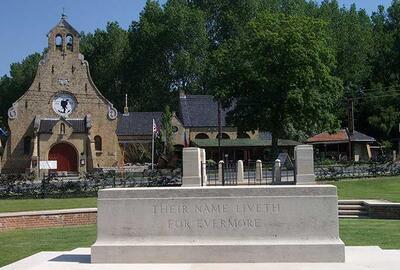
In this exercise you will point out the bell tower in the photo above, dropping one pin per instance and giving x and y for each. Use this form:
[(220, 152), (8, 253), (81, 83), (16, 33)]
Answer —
[(63, 39)]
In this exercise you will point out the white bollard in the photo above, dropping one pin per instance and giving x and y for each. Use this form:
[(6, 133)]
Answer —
[(221, 171), (277, 171), (240, 172), (259, 171), (204, 166)]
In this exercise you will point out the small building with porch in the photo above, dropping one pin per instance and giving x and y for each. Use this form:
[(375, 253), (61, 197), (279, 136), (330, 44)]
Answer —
[(342, 145)]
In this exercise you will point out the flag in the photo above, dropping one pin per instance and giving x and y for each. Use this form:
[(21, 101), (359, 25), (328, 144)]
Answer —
[(156, 130)]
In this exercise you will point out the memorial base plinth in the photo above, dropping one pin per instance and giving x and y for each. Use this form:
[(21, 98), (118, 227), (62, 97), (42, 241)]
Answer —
[(218, 225), (223, 253)]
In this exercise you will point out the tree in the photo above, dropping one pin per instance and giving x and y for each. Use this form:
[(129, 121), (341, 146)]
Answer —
[(13, 87), (169, 53), (106, 51), (166, 126), (278, 74)]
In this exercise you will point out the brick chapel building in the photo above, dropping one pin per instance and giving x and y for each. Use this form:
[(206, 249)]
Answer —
[(62, 117)]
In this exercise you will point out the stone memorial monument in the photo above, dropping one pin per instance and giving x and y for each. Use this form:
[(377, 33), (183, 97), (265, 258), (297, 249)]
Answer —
[(240, 224)]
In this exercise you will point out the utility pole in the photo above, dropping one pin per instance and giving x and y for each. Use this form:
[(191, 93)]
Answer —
[(350, 124), (219, 131)]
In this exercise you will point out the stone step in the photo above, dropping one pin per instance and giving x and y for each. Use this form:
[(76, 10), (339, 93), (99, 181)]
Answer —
[(353, 212), (350, 202), (351, 207), (352, 216)]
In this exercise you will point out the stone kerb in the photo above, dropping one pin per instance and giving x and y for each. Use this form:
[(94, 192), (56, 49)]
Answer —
[(191, 162), (304, 158), (218, 225)]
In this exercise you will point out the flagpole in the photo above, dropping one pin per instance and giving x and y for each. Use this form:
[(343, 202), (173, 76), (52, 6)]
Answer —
[(152, 148)]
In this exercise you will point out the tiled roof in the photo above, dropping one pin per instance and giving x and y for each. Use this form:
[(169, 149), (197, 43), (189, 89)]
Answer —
[(340, 137), (47, 125), (361, 137), (200, 111), (138, 123), (241, 143)]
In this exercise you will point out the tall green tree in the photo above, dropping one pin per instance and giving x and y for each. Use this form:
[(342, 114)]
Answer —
[(279, 74), (13, 87), (167, 131), (169, 53), (106, 51)]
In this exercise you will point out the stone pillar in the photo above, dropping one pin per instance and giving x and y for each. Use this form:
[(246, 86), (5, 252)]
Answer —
[(240, 172), (203, 166), (221, 171), (304, 157), (191, 166), (394, 156), (259, 171), (277, 171)]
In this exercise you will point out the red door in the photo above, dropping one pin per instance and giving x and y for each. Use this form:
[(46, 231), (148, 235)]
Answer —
[(66, 157)]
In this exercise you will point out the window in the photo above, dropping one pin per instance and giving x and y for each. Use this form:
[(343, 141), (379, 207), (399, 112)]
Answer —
[(59, 42), (201, 136), (243, 135), (223, 136), (97, 143), (27, 145), (175, 129), (62, 128), (70, 42)]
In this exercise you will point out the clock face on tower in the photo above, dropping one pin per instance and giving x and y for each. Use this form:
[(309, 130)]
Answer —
[(64, 104)]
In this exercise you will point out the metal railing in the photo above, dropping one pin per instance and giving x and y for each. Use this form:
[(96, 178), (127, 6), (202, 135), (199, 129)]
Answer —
[(253, 173)]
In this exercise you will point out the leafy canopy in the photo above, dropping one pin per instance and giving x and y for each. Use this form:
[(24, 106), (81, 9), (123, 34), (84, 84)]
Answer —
[(278, 72)]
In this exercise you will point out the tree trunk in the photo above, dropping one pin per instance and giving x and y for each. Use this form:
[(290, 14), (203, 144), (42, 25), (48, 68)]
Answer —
[(275, 150)]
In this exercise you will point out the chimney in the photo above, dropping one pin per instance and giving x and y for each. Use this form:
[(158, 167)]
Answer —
[(182, 94)]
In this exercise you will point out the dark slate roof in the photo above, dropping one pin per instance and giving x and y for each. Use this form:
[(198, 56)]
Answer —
[(138, 123), (47, 125), (200, 111), (361, 137)]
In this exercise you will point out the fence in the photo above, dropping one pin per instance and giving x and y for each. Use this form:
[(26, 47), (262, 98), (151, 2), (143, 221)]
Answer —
[(356, 170), (248, 173), (52, 186)]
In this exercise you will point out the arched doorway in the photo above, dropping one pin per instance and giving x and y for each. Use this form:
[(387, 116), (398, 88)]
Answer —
[(66, 156)]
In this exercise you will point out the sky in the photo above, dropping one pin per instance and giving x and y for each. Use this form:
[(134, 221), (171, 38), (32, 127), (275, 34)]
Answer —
[(25, 23)]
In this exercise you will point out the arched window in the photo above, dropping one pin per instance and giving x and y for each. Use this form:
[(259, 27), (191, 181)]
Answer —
[(27, 145), (224, 136), (62, 128), (97, 143), (243, 135), (201, 136), (69, 40), (59, 42)]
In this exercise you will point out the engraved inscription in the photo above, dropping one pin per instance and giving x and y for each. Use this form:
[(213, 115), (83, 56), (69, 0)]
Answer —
[(215, 215)]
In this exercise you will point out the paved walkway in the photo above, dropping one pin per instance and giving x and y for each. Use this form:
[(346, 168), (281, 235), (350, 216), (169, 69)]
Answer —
[(357, 258)]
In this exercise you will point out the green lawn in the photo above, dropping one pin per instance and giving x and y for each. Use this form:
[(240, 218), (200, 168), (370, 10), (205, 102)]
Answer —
[(18, 244), (46, 204), (370, 232), (15, 245), (386, 188)]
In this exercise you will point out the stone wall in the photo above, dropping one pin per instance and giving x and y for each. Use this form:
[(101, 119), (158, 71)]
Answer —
[(42, 219)]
